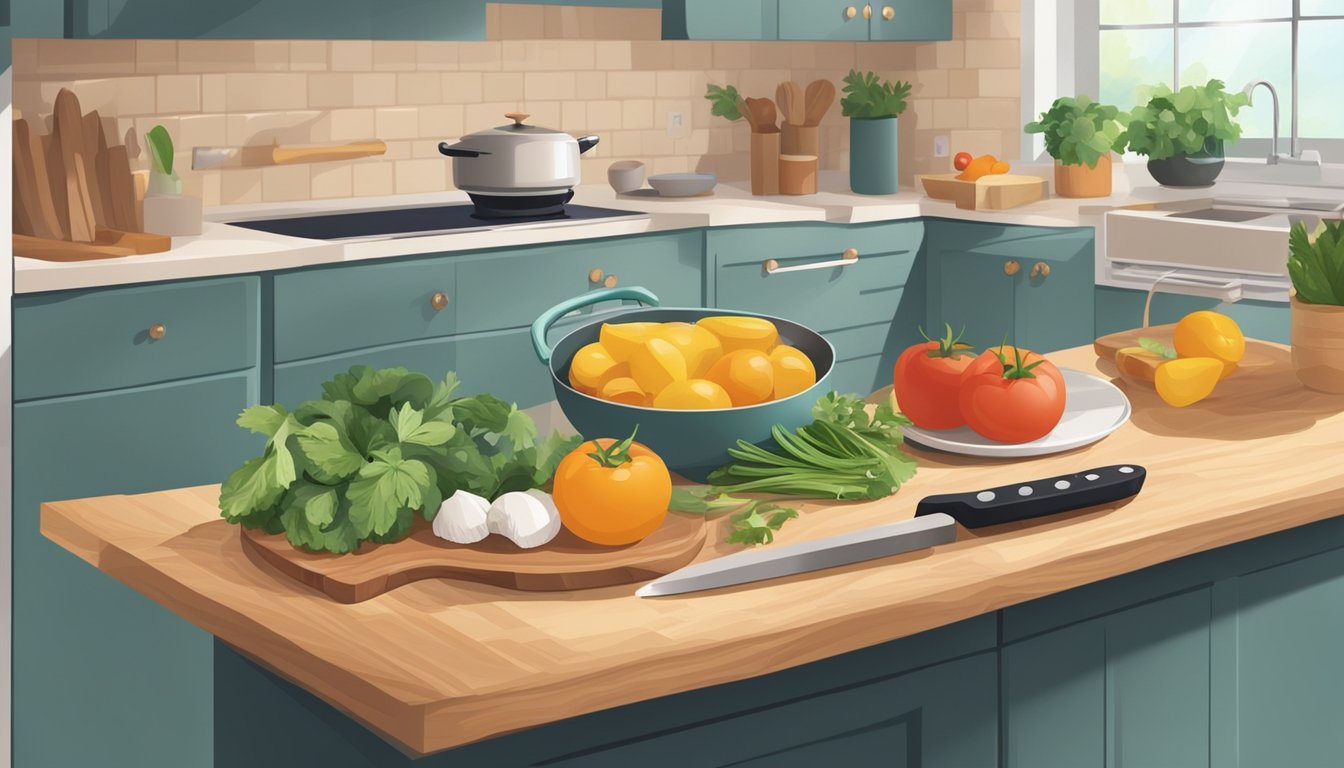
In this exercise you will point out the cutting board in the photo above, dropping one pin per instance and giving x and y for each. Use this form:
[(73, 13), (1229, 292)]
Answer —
[(1262, 364), (988, 193), (564, 563)]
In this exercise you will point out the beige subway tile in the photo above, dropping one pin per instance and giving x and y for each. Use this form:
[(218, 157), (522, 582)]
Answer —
[(307, 55), (542, 113), (993, 113), (265, 90), (626, 144), (287, 127), (271, 55), (372, 179), (884, 57), (351, 124), (978, 142), (959, 26), (950, 113), (760, 83), (151, 56), (135, 96), (573, 116), (604, 115), (983, 54), (653, 55), (673, 85), (212, 93), (691, 54), (177, 93), (421, 176), (203, 185), (505, 86), (397, 123), (487, 114), (732, 55), (393, 56), (99, 94), (216, 56), (655, 143), (836, 55), (771, 55), (659, 165), (591, 85), (351, 55), (931, 84), (720, 140), (951, 54), (461, 87), (926, 56), (479, 56), (549, 85), (331, 89), (637, 113), (611, 54), (963, 83), (578, 55), (521, 22), (398, 150), (493, 29), (336, 180), (240, 185), (920, 110), (562, 23), (436, 55), (628, 24), (286, 182), (420, 88), (374, 89), (202, 131), (734, 167), (621, 85), (441, 121), (1001, 82), (421, 150), (97, 58)]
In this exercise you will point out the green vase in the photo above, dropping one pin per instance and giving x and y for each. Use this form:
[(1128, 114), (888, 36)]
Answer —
[(872, 156)]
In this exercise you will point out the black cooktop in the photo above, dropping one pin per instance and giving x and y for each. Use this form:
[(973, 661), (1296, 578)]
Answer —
[(416, 222)]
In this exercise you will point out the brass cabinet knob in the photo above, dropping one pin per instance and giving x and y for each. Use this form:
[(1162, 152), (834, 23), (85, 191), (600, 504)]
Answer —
[(851, 12), (1040, 269), (438, 301), (868, 11), (157, 331), (610, 282), (888, 13), (595, 276), (1011, 267)]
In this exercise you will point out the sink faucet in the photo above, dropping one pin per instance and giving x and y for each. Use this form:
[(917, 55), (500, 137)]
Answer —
[(1274, 145)]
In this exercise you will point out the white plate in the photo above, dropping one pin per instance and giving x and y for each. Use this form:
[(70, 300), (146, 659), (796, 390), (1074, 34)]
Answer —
[(1093, 409)]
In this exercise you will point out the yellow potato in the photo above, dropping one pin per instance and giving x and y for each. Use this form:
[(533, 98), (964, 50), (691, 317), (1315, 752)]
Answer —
[(794, 371), (736, 332), (620, 339), (592, 367), (624, 389), (692, 395), (655, 364), (700, 347), (746, 375)]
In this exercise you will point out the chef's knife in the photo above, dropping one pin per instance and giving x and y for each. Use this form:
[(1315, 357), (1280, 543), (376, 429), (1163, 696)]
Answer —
[(1035, 498), (772, 562)]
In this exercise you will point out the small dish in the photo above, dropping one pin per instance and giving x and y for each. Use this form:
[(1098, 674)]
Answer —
[(683, 184), (625, 176)]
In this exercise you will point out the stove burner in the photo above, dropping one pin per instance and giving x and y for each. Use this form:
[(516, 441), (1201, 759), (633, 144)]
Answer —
[(412, 222)]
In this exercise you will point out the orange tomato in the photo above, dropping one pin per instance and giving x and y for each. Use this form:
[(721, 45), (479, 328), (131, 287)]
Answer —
[(618, 498)]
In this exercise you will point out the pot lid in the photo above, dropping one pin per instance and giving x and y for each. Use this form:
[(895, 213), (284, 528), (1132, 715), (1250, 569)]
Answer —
[(517, 127)]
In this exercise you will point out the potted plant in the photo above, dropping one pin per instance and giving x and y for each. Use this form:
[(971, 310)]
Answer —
[(1080, 135), (873, 106), (1183, 133), (166, 210), (1316, 267)]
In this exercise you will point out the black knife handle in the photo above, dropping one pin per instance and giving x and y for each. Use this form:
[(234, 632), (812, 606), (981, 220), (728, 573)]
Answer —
[(1036, 498)]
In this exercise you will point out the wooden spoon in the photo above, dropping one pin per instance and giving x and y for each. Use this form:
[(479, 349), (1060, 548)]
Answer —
[(797, 114), (820, 96), (746, 114), (784, 100), (763, 115)]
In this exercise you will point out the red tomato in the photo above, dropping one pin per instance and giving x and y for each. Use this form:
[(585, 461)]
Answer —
[(1014, 399), (962, 160), (926, 381)]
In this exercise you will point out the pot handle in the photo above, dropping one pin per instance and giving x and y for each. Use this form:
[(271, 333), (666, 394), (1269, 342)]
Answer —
[(452, 150), (550, 316), (587, 142)]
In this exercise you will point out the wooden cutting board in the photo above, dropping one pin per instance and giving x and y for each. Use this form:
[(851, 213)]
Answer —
[(988, 193), (34, 212), (1260, 368), (70, 188), (565, 563)]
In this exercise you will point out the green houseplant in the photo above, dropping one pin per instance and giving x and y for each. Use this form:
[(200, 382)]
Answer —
[(1080, 135), (873, 106), (1183, 132), (1316, 267)]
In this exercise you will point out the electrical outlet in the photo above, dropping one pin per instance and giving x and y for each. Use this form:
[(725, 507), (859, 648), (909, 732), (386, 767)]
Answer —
[(676, 125), (940, 148)]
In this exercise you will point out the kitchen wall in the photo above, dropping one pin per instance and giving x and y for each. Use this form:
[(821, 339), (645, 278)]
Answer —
[(579, 69)]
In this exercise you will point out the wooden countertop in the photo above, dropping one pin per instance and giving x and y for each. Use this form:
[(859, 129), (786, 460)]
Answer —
[(436, 664)]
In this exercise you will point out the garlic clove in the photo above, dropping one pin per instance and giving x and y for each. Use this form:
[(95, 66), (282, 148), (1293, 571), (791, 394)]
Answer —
[(527, 518), (462, 518)]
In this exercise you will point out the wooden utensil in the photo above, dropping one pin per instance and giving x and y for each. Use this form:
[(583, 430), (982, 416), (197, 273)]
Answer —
[(819, 97), (799, 139), (745, 111), (72, 181), (765, 163), (784, 101), (564, 563), (35, 213), (94, 145), (798, 104), (125, 215), (994, 192), (763, 115)]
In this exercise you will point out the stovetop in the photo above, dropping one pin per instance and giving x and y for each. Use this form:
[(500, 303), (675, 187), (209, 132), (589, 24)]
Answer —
[(393, 223)]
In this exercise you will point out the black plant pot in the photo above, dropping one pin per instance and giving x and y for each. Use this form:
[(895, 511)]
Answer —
[(1182, 170)]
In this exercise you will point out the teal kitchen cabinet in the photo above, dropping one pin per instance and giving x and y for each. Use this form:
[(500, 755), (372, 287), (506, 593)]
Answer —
[(869, 308), (717, 20), (1034, 284), (1127, 689), (102, 675), (876, 20), (1121, 309)]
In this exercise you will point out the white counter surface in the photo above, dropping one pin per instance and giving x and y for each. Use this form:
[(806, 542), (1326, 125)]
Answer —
[(222, 249)]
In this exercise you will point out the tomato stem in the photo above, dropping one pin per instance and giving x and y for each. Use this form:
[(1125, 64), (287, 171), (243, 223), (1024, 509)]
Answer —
[(948, 345), (1016, 370), (615, 454)]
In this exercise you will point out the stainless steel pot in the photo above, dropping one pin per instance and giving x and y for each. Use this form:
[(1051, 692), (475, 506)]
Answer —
[(517, 169)]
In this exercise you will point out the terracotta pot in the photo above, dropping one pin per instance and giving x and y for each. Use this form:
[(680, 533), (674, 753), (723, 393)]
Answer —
[(1081, 181), (1318, 345)]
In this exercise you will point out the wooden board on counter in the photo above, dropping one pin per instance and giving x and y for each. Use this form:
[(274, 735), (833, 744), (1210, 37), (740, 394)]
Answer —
[(1260, 366), (994, 192), (440, 663), (564, 563)]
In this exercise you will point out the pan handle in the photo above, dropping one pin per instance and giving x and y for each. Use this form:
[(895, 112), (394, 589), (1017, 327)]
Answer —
[(550, 316)]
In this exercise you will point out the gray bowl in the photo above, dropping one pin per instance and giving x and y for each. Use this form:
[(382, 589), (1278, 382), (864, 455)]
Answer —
[(683, 184)]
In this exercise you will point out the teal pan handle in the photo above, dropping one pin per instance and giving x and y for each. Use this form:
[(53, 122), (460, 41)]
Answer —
[(550, 316)]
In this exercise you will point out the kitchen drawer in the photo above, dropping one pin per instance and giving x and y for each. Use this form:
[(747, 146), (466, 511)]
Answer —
[(861, 292), (329, 310), (92, 340), (1008, 241), (510, 289)]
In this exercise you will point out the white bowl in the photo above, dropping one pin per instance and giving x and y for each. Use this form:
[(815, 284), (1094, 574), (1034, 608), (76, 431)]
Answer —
[(625, 176), (683, 184)]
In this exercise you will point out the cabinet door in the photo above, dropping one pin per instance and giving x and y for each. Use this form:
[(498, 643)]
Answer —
[(911, 20), (1055, 289), (822, 20), (1128, 689), (102, 675), (717, 20), (972, 293)]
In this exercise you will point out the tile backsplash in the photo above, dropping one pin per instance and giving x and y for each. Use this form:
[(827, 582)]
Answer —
[(579, 69)]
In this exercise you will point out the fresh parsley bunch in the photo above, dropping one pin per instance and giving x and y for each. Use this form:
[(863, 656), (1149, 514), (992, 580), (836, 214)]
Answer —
[(867, 97), (379, 448)]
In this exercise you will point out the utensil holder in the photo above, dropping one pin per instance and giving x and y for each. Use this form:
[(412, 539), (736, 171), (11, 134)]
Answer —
[(797, 174), (765, 163), (800, 139)]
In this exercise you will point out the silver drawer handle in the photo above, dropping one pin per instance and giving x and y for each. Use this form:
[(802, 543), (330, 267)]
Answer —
[(849, 256)]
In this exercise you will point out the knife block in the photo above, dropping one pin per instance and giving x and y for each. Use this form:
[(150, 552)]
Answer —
[(765, 163)]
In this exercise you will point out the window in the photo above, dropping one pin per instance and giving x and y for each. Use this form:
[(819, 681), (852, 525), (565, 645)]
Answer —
[(1294, 44)]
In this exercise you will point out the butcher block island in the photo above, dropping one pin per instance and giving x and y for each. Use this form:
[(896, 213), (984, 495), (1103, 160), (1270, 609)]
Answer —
[(440, 663)]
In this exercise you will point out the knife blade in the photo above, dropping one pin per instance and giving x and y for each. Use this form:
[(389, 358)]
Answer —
[(803, 557)]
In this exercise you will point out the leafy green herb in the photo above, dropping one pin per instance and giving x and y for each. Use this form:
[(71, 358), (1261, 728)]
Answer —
[(867, 97), (380, 448), (1195, 121), (1316, 262), (723, 102), (1158, 348), (1080, 131), (753, 521), (160, 149)]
